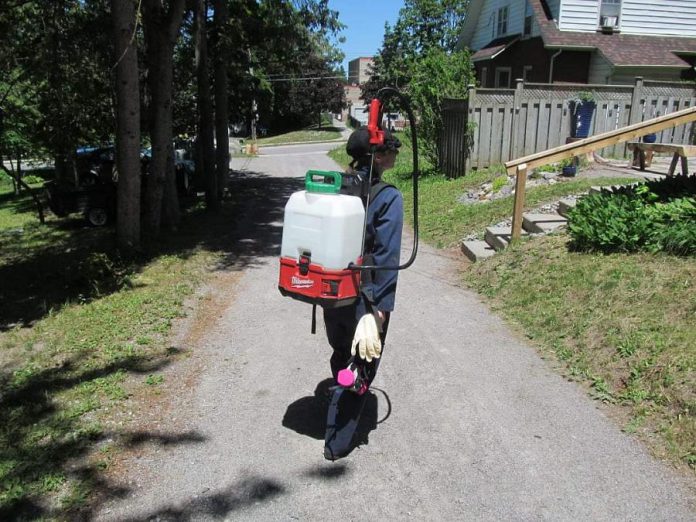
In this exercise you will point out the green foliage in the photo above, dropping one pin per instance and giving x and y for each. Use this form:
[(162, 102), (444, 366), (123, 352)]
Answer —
[(436, 76), (57, 92), (654, 216), (422, 25), (585, 96), (31, 179), (499, 183), (273, 45), (154, 380)]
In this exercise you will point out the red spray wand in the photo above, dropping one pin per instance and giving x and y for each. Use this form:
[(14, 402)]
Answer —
[(374, 122)]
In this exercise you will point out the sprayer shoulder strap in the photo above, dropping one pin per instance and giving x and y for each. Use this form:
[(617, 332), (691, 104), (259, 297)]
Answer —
[(377, 188)]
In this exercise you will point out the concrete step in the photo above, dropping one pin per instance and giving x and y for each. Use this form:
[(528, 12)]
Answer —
[(499, 237), (477, 250), (565, 205), (542, 223), (597, 189)]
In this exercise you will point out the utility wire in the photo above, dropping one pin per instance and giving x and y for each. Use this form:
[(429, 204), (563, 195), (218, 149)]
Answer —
[(306, 78)]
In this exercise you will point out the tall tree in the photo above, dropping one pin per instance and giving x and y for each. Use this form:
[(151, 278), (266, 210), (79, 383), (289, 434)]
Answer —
[(422, 25), (419, 55), (59, 55), (206, 147), (127, 123), (222, 58), (161, 24)]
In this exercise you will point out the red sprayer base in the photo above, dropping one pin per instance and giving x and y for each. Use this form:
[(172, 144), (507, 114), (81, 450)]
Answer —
[(313, 284)]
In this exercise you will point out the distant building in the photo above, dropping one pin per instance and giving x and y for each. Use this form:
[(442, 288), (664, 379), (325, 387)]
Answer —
[(358, 73), (359, 70), (354, 105)]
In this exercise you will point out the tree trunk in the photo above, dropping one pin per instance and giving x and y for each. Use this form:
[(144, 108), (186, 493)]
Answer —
[(222, 60), (19, 170), (205, 109), (128, 125), (161, 31)]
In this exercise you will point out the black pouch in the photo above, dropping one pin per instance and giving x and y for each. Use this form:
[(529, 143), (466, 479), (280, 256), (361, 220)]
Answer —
[(355, 184)]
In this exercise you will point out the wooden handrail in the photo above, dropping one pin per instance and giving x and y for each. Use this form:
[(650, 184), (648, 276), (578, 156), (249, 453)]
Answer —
[(518, 167)]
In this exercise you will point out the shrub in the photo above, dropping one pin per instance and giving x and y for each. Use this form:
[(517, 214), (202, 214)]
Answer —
[(435, 76), (654, 216), (499, 183), (32, 179)]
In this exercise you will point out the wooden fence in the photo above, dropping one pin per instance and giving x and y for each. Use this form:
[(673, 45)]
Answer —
[(533, 117)]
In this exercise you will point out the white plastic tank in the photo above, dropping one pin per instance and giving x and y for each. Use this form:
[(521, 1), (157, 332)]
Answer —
[(326, 226)]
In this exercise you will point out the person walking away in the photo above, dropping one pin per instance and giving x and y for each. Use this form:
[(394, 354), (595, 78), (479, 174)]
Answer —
[(358, 332)]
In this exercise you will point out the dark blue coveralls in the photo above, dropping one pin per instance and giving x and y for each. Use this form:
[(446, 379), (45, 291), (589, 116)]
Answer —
[(383, 242)]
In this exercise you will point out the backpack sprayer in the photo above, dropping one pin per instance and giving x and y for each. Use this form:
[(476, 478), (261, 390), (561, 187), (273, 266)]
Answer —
[(324, 230)]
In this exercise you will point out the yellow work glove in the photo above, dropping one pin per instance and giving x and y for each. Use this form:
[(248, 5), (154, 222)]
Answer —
[(366, 338)]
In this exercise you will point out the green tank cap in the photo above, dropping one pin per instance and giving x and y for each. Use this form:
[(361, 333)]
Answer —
[(329, 182)]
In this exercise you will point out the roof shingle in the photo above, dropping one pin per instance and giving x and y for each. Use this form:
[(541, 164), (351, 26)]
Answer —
[(620, 49)]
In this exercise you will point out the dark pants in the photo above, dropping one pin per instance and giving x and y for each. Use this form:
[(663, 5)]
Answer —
[(340, 328)]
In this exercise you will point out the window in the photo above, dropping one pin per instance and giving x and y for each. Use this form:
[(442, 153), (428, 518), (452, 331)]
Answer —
[(528, 19), (484, 76), (526, 72), (502, 77), (609, 12), (502, 19)]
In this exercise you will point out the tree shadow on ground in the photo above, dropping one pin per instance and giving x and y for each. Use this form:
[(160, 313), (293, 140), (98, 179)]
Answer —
[(49, 443), (47, 439), (43, 268), (50, 436), (218, 504)]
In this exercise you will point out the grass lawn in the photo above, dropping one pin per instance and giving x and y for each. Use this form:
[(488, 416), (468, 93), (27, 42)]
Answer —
[(314, 133), (625, 325), (83, 337)]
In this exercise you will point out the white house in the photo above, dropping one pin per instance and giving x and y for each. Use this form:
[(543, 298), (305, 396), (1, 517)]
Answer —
[(581, 41)]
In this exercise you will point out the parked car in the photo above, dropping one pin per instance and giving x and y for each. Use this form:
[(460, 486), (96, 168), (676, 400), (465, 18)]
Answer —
[(96, 190), (96, 201), (184, 167)]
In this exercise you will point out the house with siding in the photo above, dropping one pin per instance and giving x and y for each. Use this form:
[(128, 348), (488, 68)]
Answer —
[(581, 41)]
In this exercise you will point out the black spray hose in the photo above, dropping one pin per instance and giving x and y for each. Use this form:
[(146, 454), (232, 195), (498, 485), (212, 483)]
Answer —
[(414, 145)]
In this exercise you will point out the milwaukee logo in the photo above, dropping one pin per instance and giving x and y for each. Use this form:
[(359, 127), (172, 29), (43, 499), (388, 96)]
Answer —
[(298, 282)]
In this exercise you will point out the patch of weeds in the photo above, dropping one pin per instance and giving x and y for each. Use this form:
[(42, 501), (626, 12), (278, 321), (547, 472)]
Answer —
[(634, 424), (154, 380), (627, 346), (77, 496), (52, 482), (499, 183), (538, 171), (601, 390), (563, 352)]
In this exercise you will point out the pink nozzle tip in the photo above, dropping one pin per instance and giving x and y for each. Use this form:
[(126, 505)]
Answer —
[(346, 377)]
